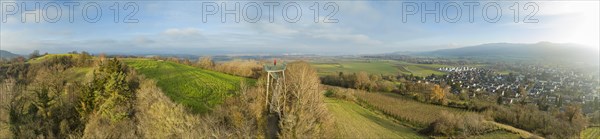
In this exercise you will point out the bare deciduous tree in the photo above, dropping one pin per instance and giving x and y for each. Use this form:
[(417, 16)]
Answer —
[(304, 114), (206, 62)]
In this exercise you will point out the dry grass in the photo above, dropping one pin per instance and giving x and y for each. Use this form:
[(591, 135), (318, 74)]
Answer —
[(159, 117), (100, 127), (244, 68), (156, 116), (520, 132), (6, 92)]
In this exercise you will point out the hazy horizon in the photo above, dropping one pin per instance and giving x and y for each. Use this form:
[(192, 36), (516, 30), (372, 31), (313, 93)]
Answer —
[(347, 27), (258, 53)]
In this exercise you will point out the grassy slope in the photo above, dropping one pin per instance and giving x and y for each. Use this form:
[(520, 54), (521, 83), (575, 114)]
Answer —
[(517, 132), (195, 88), (46, 57), (78, 74), (353, 121), (413, 112), (591, 133), (407, 109)]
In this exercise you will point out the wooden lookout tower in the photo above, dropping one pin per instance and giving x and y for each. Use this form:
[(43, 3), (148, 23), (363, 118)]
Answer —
[(275, 85)]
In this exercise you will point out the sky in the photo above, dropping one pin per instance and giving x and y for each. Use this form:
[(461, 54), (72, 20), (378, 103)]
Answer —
[(289, 27)]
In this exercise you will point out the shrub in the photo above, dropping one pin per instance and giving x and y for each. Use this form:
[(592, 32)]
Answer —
[(528, 117), (451, 125), (341, 93), (244, 68), (329, 93)]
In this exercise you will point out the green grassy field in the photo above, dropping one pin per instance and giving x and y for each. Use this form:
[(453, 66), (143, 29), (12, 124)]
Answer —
[(386, 67), (78, 74), (591, 133), (46, 57), (376, 67), (420, 69), (353, 121), (195, 88)]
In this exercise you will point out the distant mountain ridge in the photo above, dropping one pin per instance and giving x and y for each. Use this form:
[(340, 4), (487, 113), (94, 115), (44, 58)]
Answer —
[(7, 54), (541, 50)]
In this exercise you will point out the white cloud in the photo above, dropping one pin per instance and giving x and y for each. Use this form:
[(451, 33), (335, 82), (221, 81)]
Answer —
[(182, 32), (143, 40), (573, 22), (356, 38), (313, 32), (279, 29), (565, 7)]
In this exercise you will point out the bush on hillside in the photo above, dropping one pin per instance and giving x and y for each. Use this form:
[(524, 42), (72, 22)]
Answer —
[(450, 125), (341, 93), (530, 118)]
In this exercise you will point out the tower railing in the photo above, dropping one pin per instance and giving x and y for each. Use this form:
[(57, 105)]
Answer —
[(275, 86)]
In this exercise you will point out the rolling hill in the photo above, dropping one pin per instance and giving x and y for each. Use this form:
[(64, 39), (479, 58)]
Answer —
[(7, 54), (193, 87), (537, 51)]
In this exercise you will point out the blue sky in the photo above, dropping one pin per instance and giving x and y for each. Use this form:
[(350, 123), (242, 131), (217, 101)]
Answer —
[(363, 27)]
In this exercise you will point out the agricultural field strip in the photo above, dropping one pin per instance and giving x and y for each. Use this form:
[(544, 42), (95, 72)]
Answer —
[(417, 113), (379, 67), (521, 132), (353, 121), (407, 110)]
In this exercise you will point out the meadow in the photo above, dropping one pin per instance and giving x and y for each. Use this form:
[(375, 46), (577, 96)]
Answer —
[(378, 67), (193, 87), (354, 121), (386, 67)]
